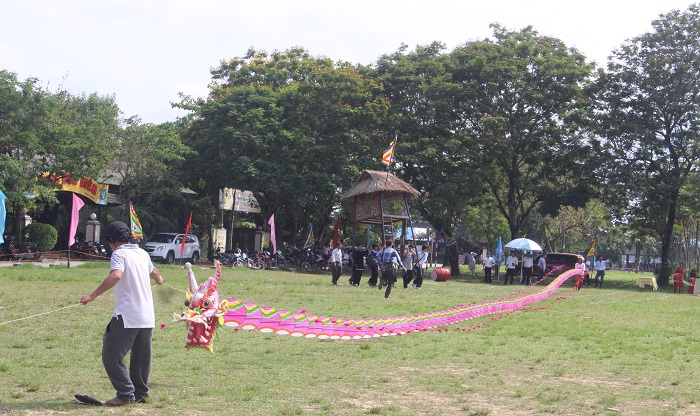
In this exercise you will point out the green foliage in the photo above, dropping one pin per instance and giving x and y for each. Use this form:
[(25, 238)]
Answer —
[(58, 133), (150, 165), (650, 122), (663, 273), (44, 235), (276, 122), (523, 115)]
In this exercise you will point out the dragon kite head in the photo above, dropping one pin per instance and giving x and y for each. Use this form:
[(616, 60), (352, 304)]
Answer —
[(204, 309)]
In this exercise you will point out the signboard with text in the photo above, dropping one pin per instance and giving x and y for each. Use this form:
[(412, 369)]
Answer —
[(96, 192)]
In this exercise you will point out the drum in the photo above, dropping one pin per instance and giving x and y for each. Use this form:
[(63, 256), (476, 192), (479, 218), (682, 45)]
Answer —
[(440, 274)]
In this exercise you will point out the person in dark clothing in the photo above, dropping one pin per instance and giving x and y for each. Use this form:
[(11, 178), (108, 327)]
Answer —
[(372, 264), (390, 261), (419, 268), (358, 264)]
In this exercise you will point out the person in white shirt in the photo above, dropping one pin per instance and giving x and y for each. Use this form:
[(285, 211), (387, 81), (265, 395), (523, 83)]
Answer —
[(542, 266), (336, 263), (420, 267), (600, 271), (488, 263), (527, 269), (133, 320), (511, 265), (580, 265)]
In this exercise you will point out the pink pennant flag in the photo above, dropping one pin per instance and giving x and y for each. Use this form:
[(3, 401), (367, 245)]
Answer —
[(77, 204), (272, 233)]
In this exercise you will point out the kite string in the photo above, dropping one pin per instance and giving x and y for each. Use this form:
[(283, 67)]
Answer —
[(165, 284), (39, 314), (65, 307)]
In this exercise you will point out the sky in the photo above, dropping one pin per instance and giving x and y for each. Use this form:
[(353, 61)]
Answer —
[(146, 52)]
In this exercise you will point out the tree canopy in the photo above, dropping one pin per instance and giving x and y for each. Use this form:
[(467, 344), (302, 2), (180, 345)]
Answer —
[(649, 120), (294, 129)]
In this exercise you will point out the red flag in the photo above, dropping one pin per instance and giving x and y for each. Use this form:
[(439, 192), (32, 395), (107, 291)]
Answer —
[(335, 232), (187, 230), (273, 239), (77, 204)]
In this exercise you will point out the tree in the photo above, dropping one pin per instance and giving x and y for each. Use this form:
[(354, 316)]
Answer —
[(148, 163), (429, 155), (650, 121), (522, 113), (294, 129), (56, 133)]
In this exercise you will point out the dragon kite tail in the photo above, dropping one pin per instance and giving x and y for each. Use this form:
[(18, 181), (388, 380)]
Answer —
[(206, 314)]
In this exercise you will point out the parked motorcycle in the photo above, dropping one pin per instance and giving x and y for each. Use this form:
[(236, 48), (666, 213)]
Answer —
[(88, 250), (22, 251)]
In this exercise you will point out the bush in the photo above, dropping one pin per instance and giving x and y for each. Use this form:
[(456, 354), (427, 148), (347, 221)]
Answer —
[(663, 274), (44, 235)]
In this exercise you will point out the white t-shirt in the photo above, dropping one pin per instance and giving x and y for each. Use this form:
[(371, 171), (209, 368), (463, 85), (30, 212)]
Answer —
[(512, 262), (488, 262), (527, 262), (600, 265), (132, 294), (336, 256)]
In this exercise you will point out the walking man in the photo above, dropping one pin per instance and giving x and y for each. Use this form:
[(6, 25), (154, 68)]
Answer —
[(390, 261), (133, 320), (358, 256), (420, 267), (373, 267), (336, 263), (600, 271)]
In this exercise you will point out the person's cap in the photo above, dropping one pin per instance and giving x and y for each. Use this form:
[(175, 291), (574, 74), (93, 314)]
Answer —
[(410, 246), (118, 231)]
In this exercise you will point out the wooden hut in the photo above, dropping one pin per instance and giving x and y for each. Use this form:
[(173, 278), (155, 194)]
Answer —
[(381, 198)]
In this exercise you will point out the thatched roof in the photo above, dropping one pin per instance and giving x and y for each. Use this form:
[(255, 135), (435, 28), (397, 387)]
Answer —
[(373, 181)]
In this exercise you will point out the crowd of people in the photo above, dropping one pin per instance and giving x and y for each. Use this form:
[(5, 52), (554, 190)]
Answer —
[(384, 264), (524, 270)]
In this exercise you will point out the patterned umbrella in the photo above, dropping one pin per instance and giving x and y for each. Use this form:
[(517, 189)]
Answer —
[(524, 244)]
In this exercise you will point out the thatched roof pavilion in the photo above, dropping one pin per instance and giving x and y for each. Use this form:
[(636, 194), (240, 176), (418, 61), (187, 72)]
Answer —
[(381, 198), (373, 181)]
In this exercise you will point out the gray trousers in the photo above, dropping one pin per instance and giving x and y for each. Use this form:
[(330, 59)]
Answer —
[(116, 343)]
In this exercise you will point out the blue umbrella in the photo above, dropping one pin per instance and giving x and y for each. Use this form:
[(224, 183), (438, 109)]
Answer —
[(524, 244)]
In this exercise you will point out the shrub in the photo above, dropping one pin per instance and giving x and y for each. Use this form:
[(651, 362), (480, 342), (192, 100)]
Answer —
[(44, 235), (663, 274)]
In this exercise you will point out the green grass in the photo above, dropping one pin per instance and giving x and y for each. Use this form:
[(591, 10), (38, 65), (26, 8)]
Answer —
[(599, 352)]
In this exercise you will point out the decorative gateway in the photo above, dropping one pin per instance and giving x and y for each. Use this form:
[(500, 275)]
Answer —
[(205, 314)]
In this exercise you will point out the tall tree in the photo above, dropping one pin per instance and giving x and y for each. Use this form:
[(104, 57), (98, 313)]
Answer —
[(649, 100), (58, 133), (292, 128), (522, 113), (148, 164), (429, 156)]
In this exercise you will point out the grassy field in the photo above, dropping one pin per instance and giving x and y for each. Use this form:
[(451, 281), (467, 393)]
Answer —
[(609, 351)]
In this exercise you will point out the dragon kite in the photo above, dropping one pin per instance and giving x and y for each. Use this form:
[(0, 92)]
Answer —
[(206, 314)]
